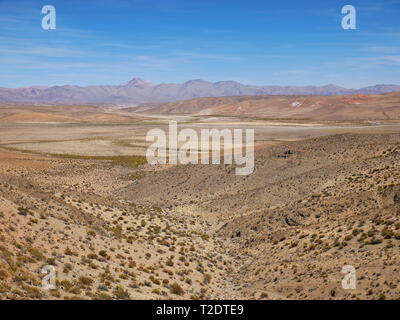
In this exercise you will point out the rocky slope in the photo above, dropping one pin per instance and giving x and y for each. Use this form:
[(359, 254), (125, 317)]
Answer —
[(198, 231), (339, 108), (309, 208)]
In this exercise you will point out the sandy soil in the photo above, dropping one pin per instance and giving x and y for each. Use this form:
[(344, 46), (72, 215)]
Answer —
[(322, 195)]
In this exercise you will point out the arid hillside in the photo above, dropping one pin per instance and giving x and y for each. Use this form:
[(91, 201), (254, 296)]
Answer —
[(115, 228), (360, 107), (66, 214), (332, 108), (59, 113), (309, 208)]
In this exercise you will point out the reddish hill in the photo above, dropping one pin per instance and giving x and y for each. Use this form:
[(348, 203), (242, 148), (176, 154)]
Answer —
[(348, 107)]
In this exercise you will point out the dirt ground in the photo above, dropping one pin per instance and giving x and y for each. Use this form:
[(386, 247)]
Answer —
[(323, 195)]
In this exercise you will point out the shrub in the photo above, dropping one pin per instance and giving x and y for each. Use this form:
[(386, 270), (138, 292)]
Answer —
[(207, 278), (3, 275), (103, 253), (120, 293), (23, 211), (85, 280), (91, 233), (386, 233), (68, 252), (175, 288)]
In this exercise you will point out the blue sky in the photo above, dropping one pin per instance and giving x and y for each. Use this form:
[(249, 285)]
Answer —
[(254, 42)]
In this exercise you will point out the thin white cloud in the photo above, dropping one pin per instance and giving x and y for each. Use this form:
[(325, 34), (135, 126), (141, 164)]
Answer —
[(382, 60), (45, 51), (380, 49)]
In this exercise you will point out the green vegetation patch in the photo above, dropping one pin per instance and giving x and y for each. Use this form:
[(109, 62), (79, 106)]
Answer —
[(129, 161)]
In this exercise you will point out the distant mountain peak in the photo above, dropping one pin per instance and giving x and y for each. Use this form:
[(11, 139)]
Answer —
[(228, 82), (139, 83), (195, 81)]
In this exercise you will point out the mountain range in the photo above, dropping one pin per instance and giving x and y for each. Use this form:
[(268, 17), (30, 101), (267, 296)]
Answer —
[(139, 91)]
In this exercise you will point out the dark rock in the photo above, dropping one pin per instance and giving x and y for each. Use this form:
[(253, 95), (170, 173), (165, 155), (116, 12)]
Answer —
[(291, 222), (396, 198)]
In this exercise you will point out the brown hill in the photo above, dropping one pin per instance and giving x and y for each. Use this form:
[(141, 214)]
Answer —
[(62, 213), (39, 113), (335, 108), (297, 220)]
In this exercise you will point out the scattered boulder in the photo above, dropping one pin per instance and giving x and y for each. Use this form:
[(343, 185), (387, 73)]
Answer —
[(285, 154), (396, 198), (291, 222)]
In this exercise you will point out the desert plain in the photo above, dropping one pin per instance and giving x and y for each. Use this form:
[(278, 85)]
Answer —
[(77, 194)]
